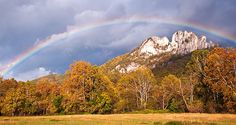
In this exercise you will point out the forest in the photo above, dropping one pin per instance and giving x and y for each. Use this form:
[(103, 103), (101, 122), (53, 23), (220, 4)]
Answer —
[(208, 84)]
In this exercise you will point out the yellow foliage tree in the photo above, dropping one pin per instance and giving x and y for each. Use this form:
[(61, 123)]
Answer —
[(84, 87), (136, 88)]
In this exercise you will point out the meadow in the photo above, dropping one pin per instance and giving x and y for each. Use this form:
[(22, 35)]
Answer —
[(124, 119)]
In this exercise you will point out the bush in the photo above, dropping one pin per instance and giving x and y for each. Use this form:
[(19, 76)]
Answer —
[(174, 123), (196, 107), (157, 123), (175, 106)]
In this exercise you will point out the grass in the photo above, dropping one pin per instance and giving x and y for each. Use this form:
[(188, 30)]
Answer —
[(124, 119)]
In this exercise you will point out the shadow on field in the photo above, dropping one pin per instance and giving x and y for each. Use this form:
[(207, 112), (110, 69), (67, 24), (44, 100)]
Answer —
[(182, 123)]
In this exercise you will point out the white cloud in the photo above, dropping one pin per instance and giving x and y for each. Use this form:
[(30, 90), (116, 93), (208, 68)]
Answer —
[(30, 75), (88, 16)]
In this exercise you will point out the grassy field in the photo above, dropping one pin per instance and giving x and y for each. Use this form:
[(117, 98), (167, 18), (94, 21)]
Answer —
[(124, 119)]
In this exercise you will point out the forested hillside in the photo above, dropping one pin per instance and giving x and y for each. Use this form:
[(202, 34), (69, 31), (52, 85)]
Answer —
[(202, 81)]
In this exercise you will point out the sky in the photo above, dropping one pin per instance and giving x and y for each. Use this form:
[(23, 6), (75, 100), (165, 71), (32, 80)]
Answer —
[(25, 23)]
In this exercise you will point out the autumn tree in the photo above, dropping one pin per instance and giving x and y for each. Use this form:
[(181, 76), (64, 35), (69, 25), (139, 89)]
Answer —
[(20, 101), (173, 94), (197, 91), (6, 85), (48, 97), (220, 72), (86, 89), (195, 70), (137, 86), (168, 89), (187, 91)]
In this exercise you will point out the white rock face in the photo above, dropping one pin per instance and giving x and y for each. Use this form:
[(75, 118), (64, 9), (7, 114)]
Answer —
[(132, 66), (154, 45), (149, 48), (183, 42), (188, 42)]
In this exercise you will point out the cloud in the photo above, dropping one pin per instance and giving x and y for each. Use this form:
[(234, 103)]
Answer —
[(88, 16), (30, 75), (24, 23)]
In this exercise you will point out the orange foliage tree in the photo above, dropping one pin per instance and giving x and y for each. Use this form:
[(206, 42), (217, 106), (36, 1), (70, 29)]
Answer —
[(221, 77)]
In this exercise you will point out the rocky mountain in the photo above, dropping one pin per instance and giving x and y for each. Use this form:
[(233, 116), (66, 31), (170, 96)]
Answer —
[(155, 50)]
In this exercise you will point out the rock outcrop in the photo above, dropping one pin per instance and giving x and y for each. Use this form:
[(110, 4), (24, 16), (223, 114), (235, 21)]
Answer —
[(183, 42), (156, 49), (187, 42)]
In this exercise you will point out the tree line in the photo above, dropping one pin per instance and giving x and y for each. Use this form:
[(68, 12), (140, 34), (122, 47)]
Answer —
[(207, 85)]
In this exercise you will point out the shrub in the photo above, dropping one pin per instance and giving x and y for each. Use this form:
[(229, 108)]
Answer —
[(174, 123), (157, 123)]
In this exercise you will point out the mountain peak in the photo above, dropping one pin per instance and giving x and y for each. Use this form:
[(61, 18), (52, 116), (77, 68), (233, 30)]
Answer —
[(155, 50), (183, 42), (154, 45), (187, 42)]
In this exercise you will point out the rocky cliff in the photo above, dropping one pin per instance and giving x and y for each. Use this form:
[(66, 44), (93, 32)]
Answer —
[(155, 49)]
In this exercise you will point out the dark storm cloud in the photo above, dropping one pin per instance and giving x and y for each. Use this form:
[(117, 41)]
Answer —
[(24, 22)]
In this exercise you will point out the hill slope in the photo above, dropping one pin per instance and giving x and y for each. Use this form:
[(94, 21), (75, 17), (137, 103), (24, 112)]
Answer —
[(55, 78), (159, 53)]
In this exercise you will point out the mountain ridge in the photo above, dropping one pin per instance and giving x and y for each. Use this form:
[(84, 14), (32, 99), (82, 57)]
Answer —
[(155, 50)]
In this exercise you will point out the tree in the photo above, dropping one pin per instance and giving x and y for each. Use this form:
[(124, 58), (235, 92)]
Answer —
[(173, 94), (197, 91), (195, 70), (20, 101), (137, 86), (47, 93), (220, 72), (84, 87), (168, 89), (6, 85)]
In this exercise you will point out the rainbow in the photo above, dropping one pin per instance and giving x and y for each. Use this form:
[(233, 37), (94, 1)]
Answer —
[(5, 69)]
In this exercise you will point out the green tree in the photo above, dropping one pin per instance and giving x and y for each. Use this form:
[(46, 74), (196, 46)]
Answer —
[(195, 70), (197, 91)]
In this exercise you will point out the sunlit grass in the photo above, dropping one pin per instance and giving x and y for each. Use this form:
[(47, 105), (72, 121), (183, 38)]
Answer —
[(124, 119)]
